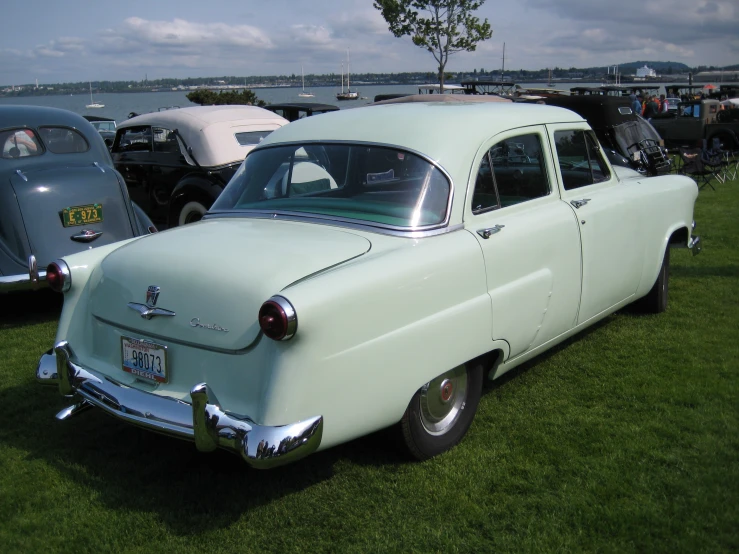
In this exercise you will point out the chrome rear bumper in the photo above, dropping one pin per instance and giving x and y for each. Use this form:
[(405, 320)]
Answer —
[(202, 421), (31, 280)]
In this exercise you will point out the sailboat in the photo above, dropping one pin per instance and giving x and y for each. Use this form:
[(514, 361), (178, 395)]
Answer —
[(92, 103), (304, 94), (348, 95)]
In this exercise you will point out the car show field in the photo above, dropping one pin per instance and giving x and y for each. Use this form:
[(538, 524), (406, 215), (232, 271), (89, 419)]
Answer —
[(621, 438)]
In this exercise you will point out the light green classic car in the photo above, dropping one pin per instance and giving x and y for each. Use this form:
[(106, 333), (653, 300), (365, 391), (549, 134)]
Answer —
[(366, 269)]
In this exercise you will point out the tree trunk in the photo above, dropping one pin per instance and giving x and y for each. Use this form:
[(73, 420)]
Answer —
[(441, 79)]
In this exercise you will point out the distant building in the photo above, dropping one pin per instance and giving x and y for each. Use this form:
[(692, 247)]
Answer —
[(645, 72)]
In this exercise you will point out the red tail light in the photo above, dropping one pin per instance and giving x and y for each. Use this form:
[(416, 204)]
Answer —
[(277, 318), (58, 276)]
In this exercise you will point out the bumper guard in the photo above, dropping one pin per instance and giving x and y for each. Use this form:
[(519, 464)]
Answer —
[(203, 421), (32, 280)]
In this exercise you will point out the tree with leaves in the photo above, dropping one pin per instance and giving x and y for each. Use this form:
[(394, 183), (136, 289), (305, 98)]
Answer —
[(206, 97), (442, 27)]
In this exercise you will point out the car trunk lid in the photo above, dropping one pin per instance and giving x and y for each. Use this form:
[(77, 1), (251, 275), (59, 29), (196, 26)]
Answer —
[(214, 275), (45, 195)]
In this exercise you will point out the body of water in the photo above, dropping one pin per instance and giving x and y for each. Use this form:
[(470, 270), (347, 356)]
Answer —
[(119, 105)]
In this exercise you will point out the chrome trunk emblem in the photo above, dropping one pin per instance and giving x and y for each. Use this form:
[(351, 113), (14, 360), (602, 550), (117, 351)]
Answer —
[(147, 311), (152, 295)]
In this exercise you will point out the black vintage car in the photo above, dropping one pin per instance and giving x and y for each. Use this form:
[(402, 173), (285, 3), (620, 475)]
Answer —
[(628, 139), (59, 193), (106, 126), (176, 162), (298, 110)]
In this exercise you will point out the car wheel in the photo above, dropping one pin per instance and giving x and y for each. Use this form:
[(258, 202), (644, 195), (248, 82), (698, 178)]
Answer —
[(441, 411), (655, 301), (191, 212)]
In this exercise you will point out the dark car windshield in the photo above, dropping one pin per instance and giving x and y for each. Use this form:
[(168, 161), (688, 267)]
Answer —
[(376, 184)]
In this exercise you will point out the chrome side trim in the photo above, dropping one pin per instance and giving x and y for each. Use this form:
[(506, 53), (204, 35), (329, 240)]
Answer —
[(203, 422), (334, 222)]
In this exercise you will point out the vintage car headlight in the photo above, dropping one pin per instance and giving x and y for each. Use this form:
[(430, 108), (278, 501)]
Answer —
[(58, 276), (277, 318)]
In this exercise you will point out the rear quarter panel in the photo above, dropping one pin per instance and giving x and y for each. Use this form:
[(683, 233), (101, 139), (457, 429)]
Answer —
[(373, 331)]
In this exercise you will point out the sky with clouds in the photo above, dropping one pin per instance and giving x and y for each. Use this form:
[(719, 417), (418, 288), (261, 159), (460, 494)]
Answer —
[(58, 41)]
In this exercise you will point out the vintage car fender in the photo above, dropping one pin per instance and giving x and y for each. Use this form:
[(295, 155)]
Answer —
[(664, 214), (418, 321)]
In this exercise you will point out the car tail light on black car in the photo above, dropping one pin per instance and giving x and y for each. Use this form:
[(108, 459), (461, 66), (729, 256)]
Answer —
[(58, 276), (277, 318)]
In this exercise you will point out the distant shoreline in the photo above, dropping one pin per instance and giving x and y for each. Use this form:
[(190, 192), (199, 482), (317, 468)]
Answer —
[(33, 92)]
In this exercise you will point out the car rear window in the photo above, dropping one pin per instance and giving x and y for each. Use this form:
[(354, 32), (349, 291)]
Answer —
[(378, 185), (20, 143), (251, 138), (63, 140)]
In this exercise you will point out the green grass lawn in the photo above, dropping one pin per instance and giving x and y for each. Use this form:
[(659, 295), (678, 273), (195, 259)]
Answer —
[(623, 439)]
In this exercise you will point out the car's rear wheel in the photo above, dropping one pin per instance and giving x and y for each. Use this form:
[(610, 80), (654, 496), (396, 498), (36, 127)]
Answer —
[(655, 301), (441, 412), (191, 212)]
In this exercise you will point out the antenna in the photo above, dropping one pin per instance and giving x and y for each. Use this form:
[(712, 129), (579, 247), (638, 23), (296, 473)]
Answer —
[(502, 71)]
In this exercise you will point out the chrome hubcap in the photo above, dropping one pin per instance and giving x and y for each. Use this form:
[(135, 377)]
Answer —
[(442, 400)]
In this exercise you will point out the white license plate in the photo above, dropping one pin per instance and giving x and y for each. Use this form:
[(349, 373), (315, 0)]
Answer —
[(144, 359)]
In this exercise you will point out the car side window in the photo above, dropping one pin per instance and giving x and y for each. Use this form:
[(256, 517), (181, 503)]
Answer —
[(512, 171), (580, 159), (251, 138), (165, 140), (134, 139), (20, 143), (62, 140)]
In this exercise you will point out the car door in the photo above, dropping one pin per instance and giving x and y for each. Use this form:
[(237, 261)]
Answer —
[(167, 167), (608, 218), (529, 240), (132, 151)]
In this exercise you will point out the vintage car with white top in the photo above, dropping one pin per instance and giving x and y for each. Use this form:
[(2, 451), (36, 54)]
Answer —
[(177, 161), (366, 269)]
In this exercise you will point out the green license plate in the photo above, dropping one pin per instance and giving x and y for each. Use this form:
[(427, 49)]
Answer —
[(82, 215)]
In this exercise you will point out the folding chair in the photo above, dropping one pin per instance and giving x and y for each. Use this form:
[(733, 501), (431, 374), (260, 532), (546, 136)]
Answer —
[(692, 165), (713, 159), (730, 160)]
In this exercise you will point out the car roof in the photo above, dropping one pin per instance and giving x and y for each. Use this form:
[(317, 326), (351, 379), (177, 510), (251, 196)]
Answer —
[(32, 116), (210, 130), (202, 116), (450, 133)]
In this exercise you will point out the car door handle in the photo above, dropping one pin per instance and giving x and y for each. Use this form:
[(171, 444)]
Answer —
[(87, 235), (485, 233), (579, 203)]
